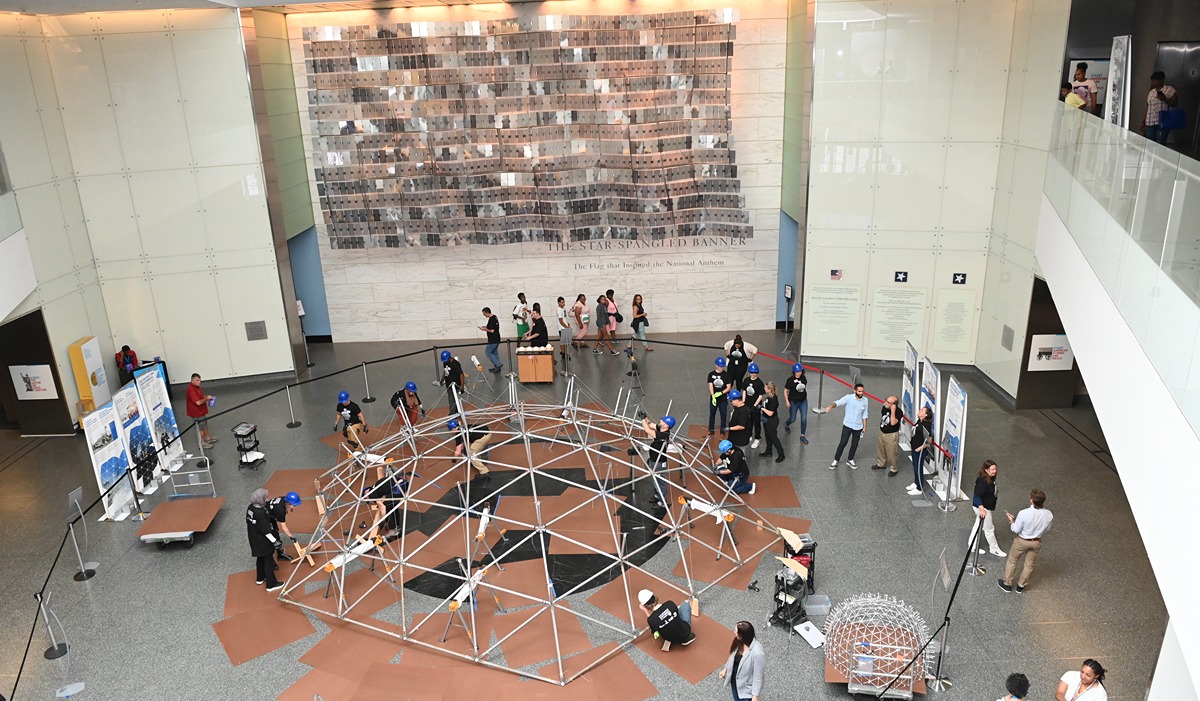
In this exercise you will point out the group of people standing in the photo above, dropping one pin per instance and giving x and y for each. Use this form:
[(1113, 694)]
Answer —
[(572, 324)]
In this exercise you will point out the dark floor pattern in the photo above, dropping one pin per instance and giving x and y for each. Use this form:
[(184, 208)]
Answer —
[(143, 626)]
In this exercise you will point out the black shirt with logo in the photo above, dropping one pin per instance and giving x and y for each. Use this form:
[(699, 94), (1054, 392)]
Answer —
[(740, 416), (667, 622), (885, 420), (796, 388), (720, 383)]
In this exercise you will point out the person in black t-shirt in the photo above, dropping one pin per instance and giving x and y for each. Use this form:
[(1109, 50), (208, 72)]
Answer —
[(350, 415), (922, 438), (277, 511), (666, 620), (770, 412), (719, 386), (738, 357), (492, 329), (754, 389), (739, 419), (733, 469), (386, 493), (887, 446), (539, 335), (263, 543), (984, 501), (795, 397), (478, 438), (656, 458), (454, 379)]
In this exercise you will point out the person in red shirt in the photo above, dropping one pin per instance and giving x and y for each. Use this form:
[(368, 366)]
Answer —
[(197, 409)]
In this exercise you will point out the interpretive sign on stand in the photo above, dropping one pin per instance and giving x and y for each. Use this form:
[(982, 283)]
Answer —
[(908, 394), (152, 386), (954, 436), (110, 460), (139, 440)]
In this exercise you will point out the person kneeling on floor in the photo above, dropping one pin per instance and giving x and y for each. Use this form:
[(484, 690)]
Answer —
[(733, 468), (667, 621)]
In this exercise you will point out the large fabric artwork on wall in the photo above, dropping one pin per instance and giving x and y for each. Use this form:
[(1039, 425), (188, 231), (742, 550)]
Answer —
[(550, 128)]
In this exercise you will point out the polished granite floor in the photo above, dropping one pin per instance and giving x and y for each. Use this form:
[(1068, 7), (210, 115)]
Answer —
[(142, 627)]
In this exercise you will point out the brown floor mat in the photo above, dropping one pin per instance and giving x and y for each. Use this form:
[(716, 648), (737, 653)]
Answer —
[(772, 492), (349, 650), (182, 515), (698, 660), (534, 643), (255, 633), (329, 687), (616, 679)]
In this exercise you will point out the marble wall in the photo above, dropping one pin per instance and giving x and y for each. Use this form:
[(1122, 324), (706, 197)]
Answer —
[(688, 283)]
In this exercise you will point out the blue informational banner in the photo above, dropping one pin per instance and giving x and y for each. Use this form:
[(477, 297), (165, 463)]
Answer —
[(908, 393), (954, 433), (110, 460), (152, 387)]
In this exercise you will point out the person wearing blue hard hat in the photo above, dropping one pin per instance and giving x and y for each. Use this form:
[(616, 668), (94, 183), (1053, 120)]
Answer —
[(795, 397), (656, 458), (406, 401), (719, 387), (753, 387), (454, 380), (350, 416), (733, 468), (739, 419), (277, 511), (476, 444)]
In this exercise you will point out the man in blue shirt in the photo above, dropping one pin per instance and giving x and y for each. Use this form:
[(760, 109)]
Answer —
[(854, 423)]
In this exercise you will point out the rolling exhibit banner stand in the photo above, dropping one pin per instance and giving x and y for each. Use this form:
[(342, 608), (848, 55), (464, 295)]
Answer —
[(931, 384), (139, 439), (908, 395), (954, 435), (152, 386), (110, 461)]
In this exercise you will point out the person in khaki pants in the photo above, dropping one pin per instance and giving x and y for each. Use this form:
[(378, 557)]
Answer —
[(1029, 525), (887, 446), (478, 438)]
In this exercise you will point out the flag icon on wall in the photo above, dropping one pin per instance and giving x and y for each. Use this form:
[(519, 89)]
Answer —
[(901, 276), (960, 279), (835, 274)]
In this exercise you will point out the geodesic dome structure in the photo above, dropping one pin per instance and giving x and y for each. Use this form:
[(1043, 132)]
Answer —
[(870, 638), (495, 570)]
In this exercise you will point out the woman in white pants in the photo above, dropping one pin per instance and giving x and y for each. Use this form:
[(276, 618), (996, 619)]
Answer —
[(984, 502)]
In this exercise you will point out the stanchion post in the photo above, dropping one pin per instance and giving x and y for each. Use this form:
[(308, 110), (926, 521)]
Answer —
[(84, 572), (56, 649), (974, 569), (437, 367), (137, 504), (821, 389), (940, 683), (946, 504), (291, 412), (508, 349), (367, 386)]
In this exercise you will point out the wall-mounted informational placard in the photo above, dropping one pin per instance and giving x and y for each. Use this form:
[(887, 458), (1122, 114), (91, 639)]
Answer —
[(1049, 352), (835, 313), (88, 365), (33, 382), (897, 314)]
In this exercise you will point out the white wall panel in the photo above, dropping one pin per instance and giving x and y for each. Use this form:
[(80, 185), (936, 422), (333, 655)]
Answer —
[(132, 316), (252, 294), (970, 186), (981, 68), (847, 61), (146, 100), (841, 192), (66, 322), (17, 281), (49, 244), (131, 22), (55, 134), (203, 19), (167, 205), (216, 96), (234, 207), (73, 221), (20, 118), (112, 226), (193, 332), (918, 70), (909, 186), (87, 112)]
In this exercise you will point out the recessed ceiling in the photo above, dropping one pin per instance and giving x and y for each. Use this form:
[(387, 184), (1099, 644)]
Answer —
[(64, 7)]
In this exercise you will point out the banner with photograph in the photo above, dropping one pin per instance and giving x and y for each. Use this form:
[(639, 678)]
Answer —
[(152, 386), (908, 393), (109, 459), (954, 434), (33, 382), (931, 382), (139, 439)]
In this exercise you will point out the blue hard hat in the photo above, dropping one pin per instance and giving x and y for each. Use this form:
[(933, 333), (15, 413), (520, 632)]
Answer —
[(292, 498), (343, 396), (753, 367), (410, 386), (445, 356), (720, 362), (669, 421), (453, 425), (797, 368), (725, 446), (735, 394)]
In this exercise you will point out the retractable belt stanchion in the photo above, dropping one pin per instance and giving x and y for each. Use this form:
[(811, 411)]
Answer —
[(291, 412), (56, 649), (367, 386)]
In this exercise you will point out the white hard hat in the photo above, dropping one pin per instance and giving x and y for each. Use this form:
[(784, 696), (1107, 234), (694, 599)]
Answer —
[(645, 596)]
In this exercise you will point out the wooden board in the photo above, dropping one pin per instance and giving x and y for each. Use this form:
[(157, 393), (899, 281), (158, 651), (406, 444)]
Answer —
[(189, 514)]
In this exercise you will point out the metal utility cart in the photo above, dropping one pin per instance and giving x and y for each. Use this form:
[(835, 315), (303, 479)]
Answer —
[(247, 445), (188, 510)]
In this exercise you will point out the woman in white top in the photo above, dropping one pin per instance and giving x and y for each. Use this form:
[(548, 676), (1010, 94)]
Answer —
[(1086, 685), (579, 312)]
